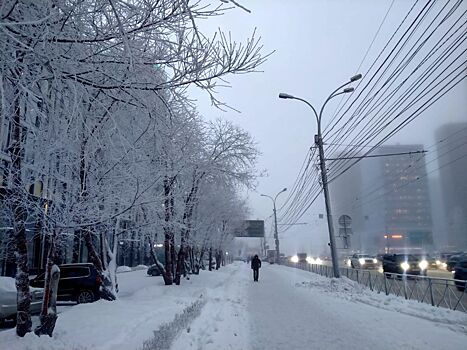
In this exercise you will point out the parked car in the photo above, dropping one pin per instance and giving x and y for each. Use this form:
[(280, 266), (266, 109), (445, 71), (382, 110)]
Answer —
[(78, 282), (453, 260), (8, 299), (404, 264), (460, 273), (153, 270), (364, 261)]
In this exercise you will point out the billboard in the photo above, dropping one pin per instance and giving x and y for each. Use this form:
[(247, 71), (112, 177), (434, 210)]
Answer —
[(252, 228)]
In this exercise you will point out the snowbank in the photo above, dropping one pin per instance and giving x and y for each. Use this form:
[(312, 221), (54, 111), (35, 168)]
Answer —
[(144, 306), (7, 284), (346, 289), (140, 267), (121, 269)]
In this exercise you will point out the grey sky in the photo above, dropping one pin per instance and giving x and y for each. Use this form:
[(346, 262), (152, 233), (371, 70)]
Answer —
[(318, 45)]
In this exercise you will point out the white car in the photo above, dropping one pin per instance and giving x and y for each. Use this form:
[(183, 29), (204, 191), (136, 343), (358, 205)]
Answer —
[(364, 261), (8, 299)]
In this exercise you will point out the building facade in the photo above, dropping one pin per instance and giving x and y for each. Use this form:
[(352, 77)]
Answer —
[(452, 164), (388, 199)]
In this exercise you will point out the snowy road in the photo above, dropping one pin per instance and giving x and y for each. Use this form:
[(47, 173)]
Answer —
[(293, 309)]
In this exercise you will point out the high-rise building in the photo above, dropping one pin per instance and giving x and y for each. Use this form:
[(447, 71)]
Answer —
[(389, 201), (452, 164)]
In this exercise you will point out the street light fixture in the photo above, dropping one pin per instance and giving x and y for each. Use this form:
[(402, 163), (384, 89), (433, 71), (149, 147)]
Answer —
[(276, 236), (324, 177)]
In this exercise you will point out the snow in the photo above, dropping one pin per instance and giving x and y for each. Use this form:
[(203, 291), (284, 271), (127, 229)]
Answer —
[(287, 309), (140, 267), (7, 284), (123, 269)]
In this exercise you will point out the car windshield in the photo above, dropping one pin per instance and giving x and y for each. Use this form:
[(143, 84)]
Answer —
[(407, 258)]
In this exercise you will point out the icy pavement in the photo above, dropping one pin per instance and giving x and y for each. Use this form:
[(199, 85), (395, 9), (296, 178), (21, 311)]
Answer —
[(293, 309)]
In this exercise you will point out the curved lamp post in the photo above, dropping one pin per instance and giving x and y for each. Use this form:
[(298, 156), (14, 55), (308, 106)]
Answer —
[(319, 142), (276, 236)]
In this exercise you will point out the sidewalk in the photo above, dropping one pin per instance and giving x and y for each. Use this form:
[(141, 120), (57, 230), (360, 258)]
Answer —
[(222, 310), (293, 309)]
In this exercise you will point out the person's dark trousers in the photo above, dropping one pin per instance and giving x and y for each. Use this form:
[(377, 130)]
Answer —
[(255, 275)]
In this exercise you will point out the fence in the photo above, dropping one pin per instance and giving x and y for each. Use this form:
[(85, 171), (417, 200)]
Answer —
[(441, 292)]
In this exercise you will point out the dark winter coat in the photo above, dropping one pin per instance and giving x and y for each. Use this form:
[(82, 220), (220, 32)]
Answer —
[(255, 263)]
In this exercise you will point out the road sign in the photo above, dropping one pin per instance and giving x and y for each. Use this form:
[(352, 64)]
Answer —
[(252, 228), (345, 230)]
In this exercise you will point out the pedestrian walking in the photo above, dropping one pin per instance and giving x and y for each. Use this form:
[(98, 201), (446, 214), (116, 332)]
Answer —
[(256, 265)]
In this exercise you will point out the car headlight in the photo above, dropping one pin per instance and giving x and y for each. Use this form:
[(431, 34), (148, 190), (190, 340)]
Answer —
[(361, 261), (310, 260), (405, 266), (423, 264), (438, 262), (444, 265), (349, 263), (318, 261), (375, 261), (294, 259)]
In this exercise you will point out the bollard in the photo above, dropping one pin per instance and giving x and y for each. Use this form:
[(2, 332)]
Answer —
[(404, 281), (385, 283), (430, 286)]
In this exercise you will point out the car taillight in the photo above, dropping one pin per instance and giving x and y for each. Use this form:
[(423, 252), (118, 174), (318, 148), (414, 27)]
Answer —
[(98, 279)]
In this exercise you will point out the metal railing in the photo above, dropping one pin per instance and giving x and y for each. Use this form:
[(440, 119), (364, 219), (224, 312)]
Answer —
[(440, 292)]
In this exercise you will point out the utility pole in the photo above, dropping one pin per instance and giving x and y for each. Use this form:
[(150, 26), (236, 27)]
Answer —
[(322, 162), (276, 235), (327, 201)]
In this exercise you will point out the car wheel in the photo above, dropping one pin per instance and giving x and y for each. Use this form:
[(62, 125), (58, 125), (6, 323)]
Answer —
[(85, 296)]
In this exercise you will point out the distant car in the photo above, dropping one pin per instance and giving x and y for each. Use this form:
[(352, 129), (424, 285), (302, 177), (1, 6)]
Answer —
[(460, 273), (153, 270), (443, 258), (364, 261), (405, 264), (431, 261), (453, 260), (8, 299), (78, 282)]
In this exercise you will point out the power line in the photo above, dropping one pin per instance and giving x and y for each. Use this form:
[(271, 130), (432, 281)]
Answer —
[(378, 155)]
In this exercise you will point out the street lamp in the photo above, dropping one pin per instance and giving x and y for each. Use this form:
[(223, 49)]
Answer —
[(319, 142), (276, 236)]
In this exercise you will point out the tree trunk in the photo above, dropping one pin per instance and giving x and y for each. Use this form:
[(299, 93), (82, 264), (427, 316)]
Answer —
[(168, 234), (180, 260), (48, 316), (23, 324), (210, 259), (156, 261), (107, 290)]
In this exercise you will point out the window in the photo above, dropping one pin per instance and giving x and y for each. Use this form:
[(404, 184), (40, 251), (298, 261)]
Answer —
[(73, 272)]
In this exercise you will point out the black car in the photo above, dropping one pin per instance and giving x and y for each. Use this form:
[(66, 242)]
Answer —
[(403, 264), (153, 270), (78, 282), (453, 260), (460, 273)]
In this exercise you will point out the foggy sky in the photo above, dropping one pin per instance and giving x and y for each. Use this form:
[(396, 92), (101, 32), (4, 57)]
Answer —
[(318, 45)]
